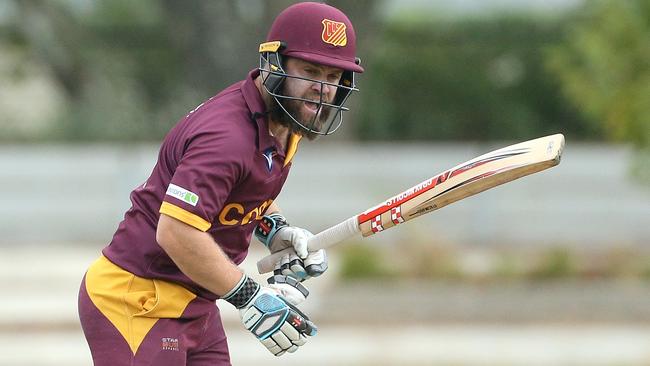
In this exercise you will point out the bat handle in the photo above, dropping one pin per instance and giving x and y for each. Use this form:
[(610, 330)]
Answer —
[(322, 240)]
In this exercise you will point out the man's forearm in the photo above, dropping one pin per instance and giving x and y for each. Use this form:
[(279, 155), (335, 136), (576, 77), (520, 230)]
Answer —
[(197, 255)]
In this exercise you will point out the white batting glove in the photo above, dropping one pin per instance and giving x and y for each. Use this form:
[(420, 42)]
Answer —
[(276, 234), (288, 288), (272, 319)]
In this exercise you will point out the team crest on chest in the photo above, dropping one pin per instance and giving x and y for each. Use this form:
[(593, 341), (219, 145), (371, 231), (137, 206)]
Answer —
[(268, 155), (334, 33)]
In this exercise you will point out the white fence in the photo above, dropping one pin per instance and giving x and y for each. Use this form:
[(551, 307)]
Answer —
[(78, 194)]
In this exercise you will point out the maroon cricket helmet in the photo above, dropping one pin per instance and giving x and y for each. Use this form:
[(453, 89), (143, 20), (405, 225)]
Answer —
[(317, 33)]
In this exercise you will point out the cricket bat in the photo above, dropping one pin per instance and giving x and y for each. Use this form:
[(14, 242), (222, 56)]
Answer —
[(467, 179)]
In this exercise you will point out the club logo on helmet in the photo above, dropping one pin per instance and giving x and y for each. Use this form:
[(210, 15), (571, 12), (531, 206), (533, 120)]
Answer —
[(334, 33)]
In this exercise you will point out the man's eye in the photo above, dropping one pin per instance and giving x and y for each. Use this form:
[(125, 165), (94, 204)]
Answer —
[(334, 77)]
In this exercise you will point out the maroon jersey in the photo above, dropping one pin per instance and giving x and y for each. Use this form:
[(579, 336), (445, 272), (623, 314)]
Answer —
[(218, 170)]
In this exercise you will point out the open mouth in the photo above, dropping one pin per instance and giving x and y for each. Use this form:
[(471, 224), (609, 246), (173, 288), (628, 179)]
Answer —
[(313, 107)]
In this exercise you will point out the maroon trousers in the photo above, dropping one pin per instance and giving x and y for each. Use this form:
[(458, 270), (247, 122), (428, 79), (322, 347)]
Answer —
[(195, 338)]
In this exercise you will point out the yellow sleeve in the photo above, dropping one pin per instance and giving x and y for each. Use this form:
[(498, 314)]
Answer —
[(184, 216)]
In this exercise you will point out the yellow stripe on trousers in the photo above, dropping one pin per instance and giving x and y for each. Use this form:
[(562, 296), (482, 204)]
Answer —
[(133, 304)]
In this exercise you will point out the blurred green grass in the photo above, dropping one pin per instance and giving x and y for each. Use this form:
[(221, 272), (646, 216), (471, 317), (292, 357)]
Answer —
[(434, 261)]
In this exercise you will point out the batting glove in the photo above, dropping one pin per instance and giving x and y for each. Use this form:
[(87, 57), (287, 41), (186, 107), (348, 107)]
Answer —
[(276, 234), (272, 319)]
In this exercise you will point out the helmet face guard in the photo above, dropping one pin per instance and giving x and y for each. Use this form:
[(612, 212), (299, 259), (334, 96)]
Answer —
[(329, 116)]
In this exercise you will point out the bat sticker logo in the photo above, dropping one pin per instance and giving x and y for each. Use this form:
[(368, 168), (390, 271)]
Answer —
[(424, 210), (375, 224), (396, 215)]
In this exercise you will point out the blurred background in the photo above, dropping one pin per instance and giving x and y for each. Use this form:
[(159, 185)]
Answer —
[(553, 269)]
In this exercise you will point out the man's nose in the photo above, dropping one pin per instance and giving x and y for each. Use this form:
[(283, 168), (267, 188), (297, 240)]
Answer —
[(322, 89)]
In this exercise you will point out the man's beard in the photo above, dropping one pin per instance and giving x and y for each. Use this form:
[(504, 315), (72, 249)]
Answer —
[(293, 107)]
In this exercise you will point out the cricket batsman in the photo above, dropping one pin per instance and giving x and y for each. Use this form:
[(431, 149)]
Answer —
[(150, 298)]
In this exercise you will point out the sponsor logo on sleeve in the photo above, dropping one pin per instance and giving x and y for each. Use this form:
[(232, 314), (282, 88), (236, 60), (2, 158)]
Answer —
[(182, 194)]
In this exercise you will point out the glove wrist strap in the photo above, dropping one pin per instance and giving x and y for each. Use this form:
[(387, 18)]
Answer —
[(243, 292), (268, 226)]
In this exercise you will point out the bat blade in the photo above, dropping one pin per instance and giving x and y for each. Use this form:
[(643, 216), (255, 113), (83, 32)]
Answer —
[(462, 181)]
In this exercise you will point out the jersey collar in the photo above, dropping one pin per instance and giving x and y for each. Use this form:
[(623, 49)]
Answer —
[(257, 107)]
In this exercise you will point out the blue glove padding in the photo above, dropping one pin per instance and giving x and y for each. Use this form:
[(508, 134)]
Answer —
[(276, 323)]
